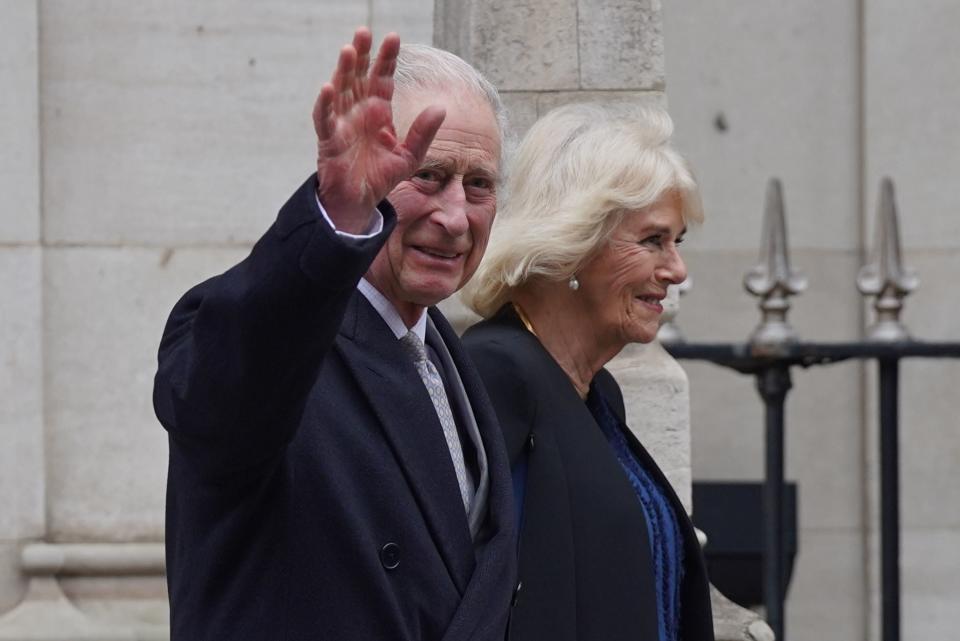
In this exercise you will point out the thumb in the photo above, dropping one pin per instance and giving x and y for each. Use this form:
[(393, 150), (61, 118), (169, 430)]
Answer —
[(422, 132)]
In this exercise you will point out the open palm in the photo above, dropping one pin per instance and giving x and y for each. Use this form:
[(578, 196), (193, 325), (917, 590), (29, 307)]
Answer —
[(359, 158)]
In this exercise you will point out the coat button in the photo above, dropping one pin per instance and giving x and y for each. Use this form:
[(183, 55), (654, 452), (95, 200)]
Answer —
[(516, 593), (390, 556)]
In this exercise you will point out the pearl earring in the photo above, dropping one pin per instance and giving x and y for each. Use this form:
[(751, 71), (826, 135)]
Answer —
[(574, 283)]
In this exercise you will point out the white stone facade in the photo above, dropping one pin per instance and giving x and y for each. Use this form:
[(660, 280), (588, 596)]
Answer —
[(830, 97)]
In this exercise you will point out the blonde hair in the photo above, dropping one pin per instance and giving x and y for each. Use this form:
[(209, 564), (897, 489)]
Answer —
[(576, 173)]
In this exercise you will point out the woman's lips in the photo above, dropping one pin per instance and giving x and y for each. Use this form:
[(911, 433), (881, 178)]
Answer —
[(652, 302)]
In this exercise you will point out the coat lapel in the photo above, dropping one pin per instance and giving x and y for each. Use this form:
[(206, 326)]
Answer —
[(411, 427), (483, 610)]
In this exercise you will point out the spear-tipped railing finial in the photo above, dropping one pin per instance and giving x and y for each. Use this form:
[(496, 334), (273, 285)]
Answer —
[(885, 276), (772, 279)]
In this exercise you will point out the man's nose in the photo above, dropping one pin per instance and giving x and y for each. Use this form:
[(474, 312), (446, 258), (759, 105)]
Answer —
[(452, 212)]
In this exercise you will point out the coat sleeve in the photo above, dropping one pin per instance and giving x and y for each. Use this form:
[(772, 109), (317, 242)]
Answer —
[(241, 351), (506, 382)]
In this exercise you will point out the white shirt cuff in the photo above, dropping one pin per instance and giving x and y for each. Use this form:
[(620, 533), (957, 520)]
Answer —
[(374, 229)]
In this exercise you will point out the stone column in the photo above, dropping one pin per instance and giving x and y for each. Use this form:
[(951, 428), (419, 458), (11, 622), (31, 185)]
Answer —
[(545, 53)]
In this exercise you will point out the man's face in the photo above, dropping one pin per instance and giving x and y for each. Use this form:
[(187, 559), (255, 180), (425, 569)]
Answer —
[(445, 210)]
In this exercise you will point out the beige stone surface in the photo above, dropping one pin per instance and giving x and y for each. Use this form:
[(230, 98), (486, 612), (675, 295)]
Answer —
[(412, 19), (931, 582), (930, 444), (522, 111), (12, 583), (621, 44), (717, 307), (930, 313), (21, 388), (45, 614), (199, 115), (19, 123), (105, 311), (732, 622), (910, 121), (783, 77), (524, 45), (548, 101), (827, 597)]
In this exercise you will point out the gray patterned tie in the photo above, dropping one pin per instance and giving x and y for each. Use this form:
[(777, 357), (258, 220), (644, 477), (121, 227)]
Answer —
[(434, 384)]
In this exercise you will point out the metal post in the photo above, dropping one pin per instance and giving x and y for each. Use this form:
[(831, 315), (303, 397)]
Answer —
[(773, 383), (890, 498)]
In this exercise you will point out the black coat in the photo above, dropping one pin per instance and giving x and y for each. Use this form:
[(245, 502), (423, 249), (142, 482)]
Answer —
[(310, 491), (584, 554)]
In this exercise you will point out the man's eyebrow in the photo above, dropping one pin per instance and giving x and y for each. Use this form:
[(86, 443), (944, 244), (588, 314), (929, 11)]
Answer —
[(445, 165), (490, 174), (434, 163)]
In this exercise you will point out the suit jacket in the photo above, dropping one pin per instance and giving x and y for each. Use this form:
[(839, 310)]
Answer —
[(584, 554), (310, 491)]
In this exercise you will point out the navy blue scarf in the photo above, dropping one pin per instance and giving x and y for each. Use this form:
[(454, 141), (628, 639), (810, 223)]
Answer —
[(666, 540)]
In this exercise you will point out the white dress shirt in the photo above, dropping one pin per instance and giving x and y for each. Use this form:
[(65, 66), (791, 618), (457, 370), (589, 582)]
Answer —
[(380, 303)]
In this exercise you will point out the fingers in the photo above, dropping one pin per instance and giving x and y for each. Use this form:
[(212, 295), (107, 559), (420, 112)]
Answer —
[(362, 41), (323, 114), (354, 81), (350, 82), (343, 78), (422, 131), (381, 76)]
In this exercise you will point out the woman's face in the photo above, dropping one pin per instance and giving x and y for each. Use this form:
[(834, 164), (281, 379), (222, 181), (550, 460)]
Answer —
[(624, 285)]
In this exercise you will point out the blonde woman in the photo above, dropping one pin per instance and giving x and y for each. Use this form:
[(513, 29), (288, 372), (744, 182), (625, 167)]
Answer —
[(579, 261)]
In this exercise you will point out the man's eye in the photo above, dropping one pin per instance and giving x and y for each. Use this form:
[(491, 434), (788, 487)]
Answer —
[(482, 184), (428, 175)]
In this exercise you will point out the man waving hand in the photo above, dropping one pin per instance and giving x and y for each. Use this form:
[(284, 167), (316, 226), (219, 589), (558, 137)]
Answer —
[(336, 471)]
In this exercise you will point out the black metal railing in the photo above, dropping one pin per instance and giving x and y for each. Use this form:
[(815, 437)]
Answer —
[(774, 350)]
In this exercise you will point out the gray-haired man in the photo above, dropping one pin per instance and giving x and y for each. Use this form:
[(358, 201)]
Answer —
[(336, 471)]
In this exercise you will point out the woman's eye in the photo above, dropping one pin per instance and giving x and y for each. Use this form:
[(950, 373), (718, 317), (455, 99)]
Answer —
[(653, 241), (679, 241)]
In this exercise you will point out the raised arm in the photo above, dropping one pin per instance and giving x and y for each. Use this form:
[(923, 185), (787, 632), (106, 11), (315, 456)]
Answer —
[(241, 351)]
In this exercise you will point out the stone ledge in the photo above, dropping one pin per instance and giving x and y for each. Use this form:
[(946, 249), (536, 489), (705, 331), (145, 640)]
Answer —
[(47, 614), (732, 622), (93, 559)]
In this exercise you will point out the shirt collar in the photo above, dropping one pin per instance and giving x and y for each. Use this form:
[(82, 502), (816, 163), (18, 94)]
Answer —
[(389, 313)]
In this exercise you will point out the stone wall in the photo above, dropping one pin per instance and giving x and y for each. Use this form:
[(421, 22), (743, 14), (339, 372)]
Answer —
[(830, 99)]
